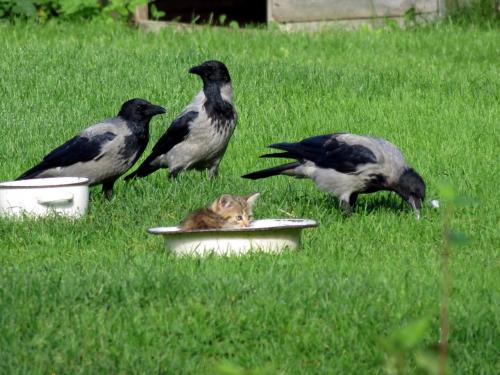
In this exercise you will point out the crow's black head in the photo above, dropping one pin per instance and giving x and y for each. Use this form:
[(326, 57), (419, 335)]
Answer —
[(212, 71), (411, 187), (139, 110)]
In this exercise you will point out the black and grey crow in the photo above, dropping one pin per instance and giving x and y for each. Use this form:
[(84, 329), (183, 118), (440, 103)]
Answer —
[(104, 151), (346, 165), (198, 138)]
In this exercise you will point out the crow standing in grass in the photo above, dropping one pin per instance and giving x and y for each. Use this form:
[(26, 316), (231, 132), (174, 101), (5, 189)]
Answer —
[(346, 165), (104, 151), (198, 138)]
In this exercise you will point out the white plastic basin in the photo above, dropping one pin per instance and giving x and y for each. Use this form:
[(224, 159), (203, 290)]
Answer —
[(270, 235), (39, 197)]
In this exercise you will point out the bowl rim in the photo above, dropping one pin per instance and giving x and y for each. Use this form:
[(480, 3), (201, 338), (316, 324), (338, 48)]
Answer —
[(292, 224), (42, 183)]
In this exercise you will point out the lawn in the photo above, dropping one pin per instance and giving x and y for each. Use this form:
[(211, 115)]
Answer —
[(101, 296)]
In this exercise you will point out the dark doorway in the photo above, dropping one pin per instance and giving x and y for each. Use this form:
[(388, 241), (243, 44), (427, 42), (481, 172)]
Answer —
[(204, 11)]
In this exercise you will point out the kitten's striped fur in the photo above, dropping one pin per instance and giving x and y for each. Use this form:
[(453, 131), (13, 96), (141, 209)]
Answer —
[(227, 211)]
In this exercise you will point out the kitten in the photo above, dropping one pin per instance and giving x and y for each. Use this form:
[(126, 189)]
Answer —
[(227, 211)]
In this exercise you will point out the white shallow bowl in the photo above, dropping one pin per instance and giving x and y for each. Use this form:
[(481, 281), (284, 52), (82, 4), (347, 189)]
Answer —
[(270, 235), (39, 197)]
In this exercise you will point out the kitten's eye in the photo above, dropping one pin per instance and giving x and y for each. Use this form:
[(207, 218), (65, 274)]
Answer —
[(239, 218)]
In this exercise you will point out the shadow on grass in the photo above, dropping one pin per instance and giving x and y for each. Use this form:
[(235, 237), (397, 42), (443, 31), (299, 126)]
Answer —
[(367, 203)]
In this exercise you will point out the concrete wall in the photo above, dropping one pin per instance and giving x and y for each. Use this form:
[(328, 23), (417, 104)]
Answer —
[(284, 11)]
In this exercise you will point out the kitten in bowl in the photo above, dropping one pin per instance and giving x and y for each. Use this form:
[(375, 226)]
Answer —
[(227, 211)]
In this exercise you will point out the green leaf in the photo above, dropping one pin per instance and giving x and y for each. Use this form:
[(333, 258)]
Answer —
[(79, 7), (195, 19), (447, 191), (24, 8), (410, 14), (132, 5), (463, 200), (410, 336), (428, 362), (391, 24), (155, 13), (457, 238), (227, 368)]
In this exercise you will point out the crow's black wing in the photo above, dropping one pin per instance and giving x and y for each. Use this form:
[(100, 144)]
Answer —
[(344, 157), (80, 148), (176, 133), (328, 151), (308, 148)]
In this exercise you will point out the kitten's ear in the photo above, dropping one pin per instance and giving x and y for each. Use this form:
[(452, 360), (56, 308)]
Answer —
[(252, 198), (225, 201)]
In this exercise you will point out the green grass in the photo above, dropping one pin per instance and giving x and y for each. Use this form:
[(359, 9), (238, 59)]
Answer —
[(99, 295)]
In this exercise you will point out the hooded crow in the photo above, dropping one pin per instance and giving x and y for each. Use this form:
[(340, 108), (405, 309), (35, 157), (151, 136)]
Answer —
[(346, 165), (104, 151), (198, 138)]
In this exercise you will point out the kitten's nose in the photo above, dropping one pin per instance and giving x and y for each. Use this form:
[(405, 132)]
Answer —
[(245, 223)]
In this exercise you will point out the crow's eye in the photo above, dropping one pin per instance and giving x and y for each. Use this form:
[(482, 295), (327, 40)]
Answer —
[(239, 217)]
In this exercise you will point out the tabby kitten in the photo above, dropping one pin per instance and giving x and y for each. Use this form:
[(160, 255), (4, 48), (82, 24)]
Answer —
[(227, 211)]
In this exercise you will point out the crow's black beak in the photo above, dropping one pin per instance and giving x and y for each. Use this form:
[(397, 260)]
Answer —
[(416, 204), (196, 70), (156, 110)]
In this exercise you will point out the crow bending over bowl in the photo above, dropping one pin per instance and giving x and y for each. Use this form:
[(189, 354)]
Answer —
[(104, 151), (346, 165)]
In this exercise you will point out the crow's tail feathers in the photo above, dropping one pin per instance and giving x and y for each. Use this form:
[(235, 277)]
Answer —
[(144, 170), (285, 155), (32, 173), (286, 146), (287, 169)]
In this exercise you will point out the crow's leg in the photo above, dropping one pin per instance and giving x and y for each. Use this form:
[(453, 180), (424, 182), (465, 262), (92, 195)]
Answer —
[(346, 203), (345, 207), (353, 199), (213, 171), (174, 172), (107, 189)]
